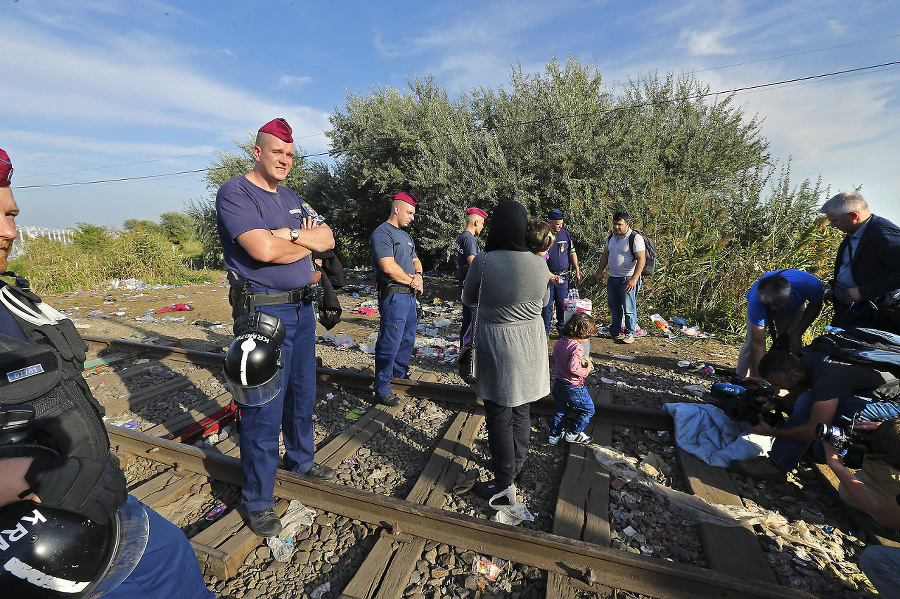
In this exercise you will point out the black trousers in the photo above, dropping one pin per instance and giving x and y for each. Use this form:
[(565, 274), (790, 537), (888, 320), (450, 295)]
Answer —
[(509, 431)]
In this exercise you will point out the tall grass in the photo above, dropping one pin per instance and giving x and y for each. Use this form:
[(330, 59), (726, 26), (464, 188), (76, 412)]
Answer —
[(54, 267)]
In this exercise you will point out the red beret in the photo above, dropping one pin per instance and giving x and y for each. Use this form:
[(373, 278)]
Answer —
[(477, 211), (279, 128), (5, 169), (406, 197)]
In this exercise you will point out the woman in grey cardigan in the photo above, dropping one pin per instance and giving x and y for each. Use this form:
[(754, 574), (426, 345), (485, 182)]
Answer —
[(511, 341)]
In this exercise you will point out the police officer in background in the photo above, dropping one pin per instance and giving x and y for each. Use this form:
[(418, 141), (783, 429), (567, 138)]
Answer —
[(268, 233), (398, 277), (464, 250), (59, 481), (561, 258)]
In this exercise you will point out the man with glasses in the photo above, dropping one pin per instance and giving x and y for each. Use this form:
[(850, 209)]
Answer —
[(784, 301), (866, 285)]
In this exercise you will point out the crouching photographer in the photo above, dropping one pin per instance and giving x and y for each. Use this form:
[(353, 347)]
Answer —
[(875, 490), (820, 389)]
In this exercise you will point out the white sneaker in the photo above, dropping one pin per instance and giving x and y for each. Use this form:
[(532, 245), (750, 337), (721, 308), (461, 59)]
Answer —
[(629, 338), (554, 439), (578, 438)]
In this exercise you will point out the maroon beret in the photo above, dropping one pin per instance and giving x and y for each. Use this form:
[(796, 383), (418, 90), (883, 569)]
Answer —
[(5, 169), (407, 197), (279, 128), (477, 211)]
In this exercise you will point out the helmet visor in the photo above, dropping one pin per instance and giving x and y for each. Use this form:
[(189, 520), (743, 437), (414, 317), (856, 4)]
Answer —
[(134, 532), (258, 395)]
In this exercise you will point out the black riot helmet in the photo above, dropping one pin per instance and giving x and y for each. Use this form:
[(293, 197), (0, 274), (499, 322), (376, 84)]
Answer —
[(52, 553), (253, 366)]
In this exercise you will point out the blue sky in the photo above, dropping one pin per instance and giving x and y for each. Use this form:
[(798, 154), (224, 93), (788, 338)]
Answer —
[(112, 89)]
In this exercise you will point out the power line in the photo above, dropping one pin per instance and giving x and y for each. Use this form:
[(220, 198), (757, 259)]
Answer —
[(740, 64), (123, 179), (736, 90), (98, 168)]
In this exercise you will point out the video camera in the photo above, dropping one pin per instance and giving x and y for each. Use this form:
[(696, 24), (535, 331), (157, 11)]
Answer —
[(747, 405), (853, 444)]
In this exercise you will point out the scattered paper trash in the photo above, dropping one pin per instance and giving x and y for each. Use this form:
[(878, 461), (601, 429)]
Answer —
[(344, 341), (482, 566), (368, 348), (685, 363), (607, 381), (441, 322), (319, 591), (621, 357), (698, 390), (628, 530)]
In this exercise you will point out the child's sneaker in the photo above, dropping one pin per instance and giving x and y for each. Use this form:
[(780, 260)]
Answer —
[(578, 438), (629, 338), (554, 439)]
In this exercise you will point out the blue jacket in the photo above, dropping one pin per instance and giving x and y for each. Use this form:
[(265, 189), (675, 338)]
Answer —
[(876, 261)]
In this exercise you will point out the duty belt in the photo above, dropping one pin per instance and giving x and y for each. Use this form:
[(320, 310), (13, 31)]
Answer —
[(294, 296), (399, 288)]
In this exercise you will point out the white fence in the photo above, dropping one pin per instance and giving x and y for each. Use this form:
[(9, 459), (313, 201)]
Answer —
[(25, 234)]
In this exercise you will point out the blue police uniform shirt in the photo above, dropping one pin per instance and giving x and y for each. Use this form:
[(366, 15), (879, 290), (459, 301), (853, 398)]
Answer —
[(388, 241), (242, 206), (805, 287), (558, 255), (466, 245), (9, 326)]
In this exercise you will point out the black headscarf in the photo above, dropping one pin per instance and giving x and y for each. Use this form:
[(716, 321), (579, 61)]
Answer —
[(507, 232)]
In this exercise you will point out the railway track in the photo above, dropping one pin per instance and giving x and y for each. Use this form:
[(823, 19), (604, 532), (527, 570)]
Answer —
[(393, 534)]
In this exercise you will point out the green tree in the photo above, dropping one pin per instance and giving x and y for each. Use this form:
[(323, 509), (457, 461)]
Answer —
[(141, 224), (692, 169), (178, 227)]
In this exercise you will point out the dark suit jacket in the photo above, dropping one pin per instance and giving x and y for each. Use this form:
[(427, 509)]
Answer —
[(876, 261)]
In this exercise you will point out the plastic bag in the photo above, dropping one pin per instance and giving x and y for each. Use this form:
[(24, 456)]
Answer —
[(297, 515)]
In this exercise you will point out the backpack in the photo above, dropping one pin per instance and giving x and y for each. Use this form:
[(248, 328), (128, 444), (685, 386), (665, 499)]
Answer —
[(649, 252), (870, 347)]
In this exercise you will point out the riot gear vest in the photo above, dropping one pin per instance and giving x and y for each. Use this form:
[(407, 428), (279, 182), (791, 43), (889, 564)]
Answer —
[(45, 372)]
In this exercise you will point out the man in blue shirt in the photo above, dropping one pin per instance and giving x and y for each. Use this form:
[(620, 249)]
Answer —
[(560, 260), (398, 277), (268, 233), (787, 301), (464, 250)]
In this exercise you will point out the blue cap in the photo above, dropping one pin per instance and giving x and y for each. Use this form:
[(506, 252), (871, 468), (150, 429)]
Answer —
[(555, 214)]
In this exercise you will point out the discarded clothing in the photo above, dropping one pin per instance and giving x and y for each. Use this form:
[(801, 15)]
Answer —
[(708, 433)]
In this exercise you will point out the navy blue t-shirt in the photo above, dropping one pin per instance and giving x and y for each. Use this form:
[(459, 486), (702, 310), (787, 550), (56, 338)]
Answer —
[(388, 241), (242, 206), (558, 255), (9, 326), (466, 245)]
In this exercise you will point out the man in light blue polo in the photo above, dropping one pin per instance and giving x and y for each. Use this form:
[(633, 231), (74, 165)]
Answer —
[(787, 302), (398, 277)]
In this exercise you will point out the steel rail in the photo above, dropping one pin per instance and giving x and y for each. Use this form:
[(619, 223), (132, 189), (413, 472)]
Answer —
[(456, 394), (584, 561)]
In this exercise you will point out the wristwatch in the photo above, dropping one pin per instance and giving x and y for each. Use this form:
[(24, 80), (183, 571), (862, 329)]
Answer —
[(295, 235)]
